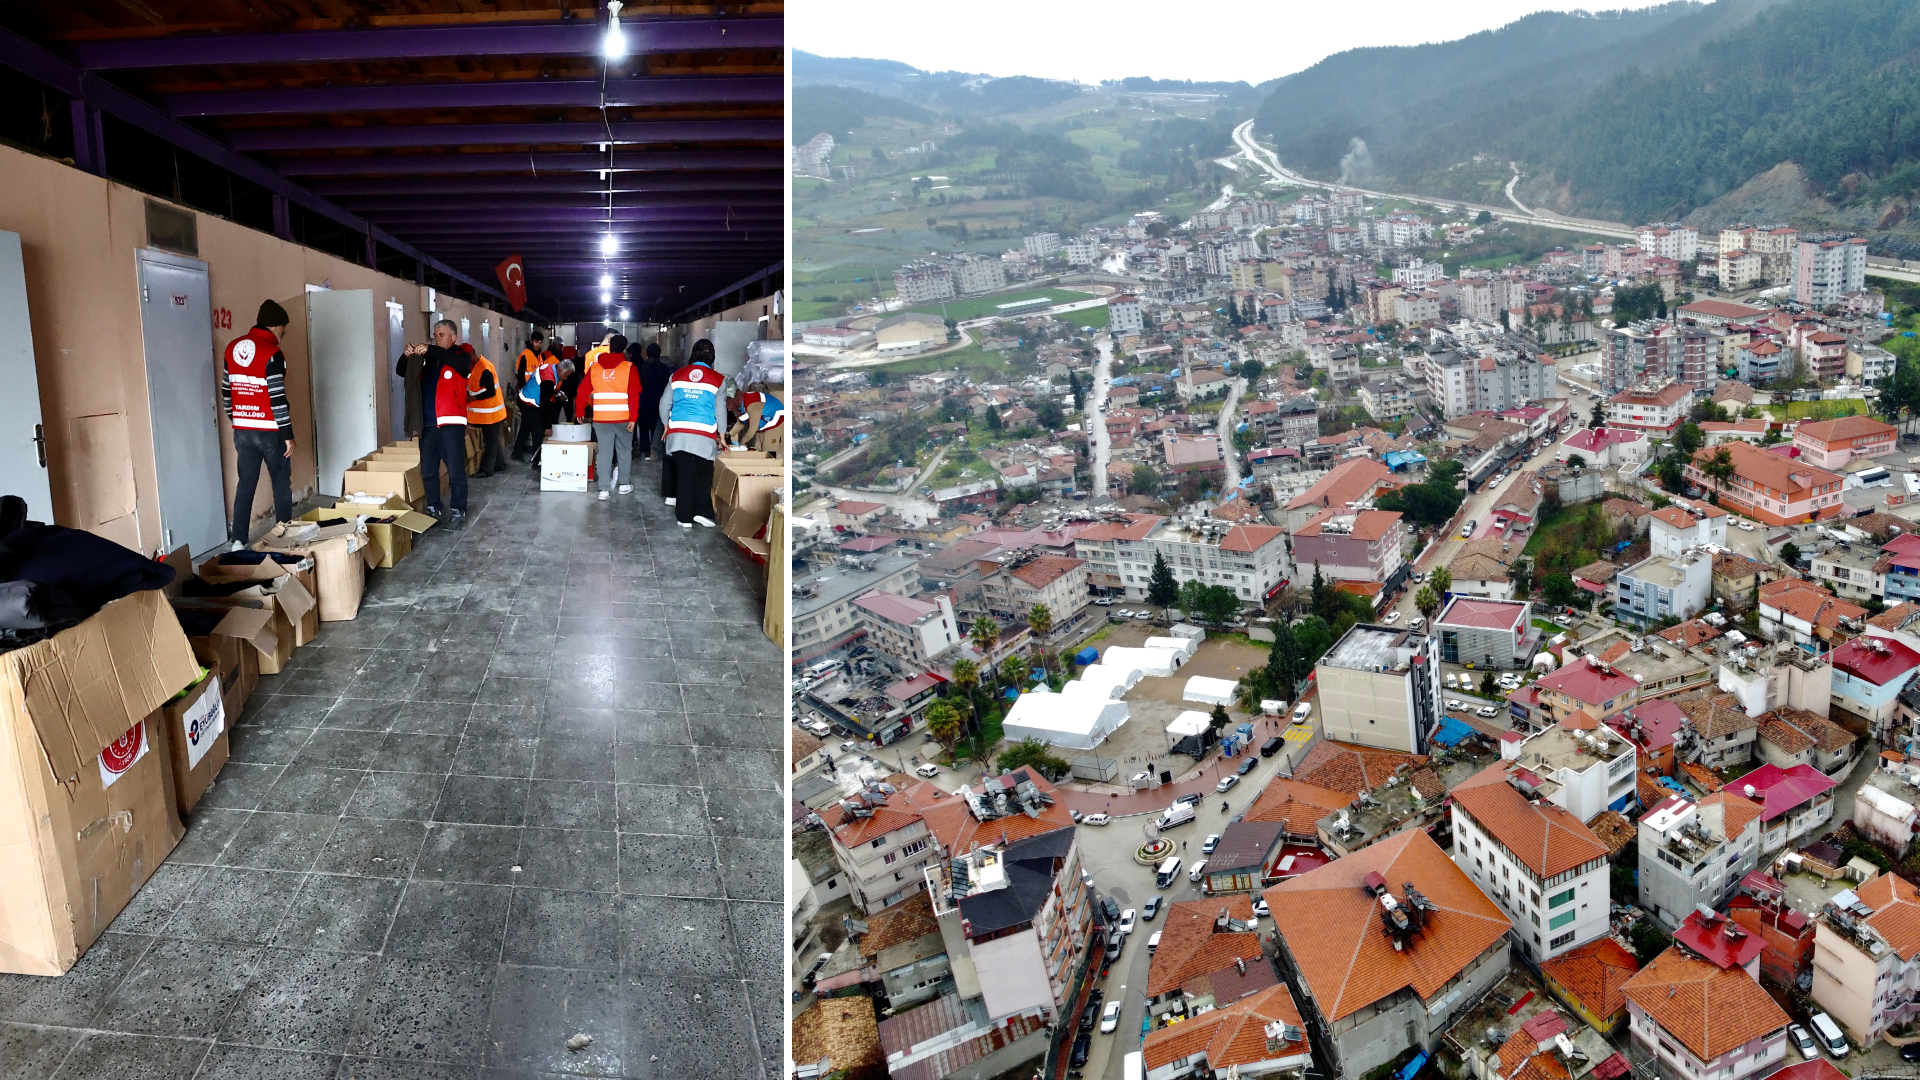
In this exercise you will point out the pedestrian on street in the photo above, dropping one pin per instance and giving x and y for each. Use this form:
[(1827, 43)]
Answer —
[(254, 390), (612, 405), (694, 409), (444, 368)]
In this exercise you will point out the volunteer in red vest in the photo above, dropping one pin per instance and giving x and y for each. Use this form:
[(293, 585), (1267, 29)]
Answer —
[(444, 367), (694, 410), (254, 388), (610, 400), (533, 368), (487, 411)]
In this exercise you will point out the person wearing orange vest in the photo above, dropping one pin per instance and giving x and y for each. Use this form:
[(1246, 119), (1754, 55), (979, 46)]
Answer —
[(253, 386), (610, 401), (530, 371), (487, 411), (443, 402)]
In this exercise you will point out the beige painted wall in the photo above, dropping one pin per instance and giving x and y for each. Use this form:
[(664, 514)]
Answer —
[(79, 235)]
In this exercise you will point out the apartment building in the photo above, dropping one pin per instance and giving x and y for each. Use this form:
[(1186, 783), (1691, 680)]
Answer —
[(1695, 853), (1769, 488), (1015, 586), (1080, 251), (910, 631), (1380, 687), (1016, 923), (1586, 685), (1742, 1033), (1824, 271), (1124, 316), (1542, 865), (1656, 409), (1042, 245), (1869, 674), (923, 283), (1831, 444), (1488, 633), (824, 615), (1385, 398), (1363, 545), (1677, 529), (882, 842), (1664, 586), (1670, 240), (1249, 559), (974, 274), (1578, 765), (1866, 958)]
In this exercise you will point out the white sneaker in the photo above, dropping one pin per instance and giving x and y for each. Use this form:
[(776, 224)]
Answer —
[(686, 524), (673, 502), (604, 496), (625, 489), (707, 521)]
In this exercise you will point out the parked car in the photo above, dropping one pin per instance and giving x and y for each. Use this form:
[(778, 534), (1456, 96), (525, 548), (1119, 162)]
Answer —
[(1153, 943), (1127, 919), (1142, 616), (1082, 1046), (1199, 871), (1260, 907), (1392, 617), (1192, 799), (1103, 601), (1746, 526), (1151, 907), (1212, 841), (1487, 711), (928, 770), (1089, 1016), (1114, 945), (1110, 1018), (1095, 819), (1247, 765), (1111, 909), (1226, 784)]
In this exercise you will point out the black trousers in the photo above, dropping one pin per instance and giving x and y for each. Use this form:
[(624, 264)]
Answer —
[(643, 438), (252, 449), (688, 480), (449, 444), (493, 452), (532, 429)]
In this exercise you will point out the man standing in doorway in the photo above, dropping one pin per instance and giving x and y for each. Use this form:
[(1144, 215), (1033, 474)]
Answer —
[(529, 371), (610, 399), (654, 376), (487, 410), (694, 409), (255, 392), (444, 368)]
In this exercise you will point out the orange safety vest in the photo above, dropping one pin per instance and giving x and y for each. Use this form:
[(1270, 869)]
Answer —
[(484, 410), (610, 392)]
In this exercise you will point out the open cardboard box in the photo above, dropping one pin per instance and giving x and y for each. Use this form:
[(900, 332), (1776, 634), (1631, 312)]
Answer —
[(392, 540), (341, 555), (745, 486), (286, 591), (86, 814), (380, 477), (195, 727)]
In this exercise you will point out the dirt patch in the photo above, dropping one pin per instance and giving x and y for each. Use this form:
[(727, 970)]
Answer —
[(1782, 193), (1154, 702)]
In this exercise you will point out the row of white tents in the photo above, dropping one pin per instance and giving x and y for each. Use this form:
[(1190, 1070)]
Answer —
[(1087, 710)]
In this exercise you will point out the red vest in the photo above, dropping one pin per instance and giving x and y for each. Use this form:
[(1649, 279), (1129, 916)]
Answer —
[(247, 357), (450, 398)]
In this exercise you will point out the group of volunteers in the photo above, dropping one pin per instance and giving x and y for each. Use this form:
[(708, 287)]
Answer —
[(624, 391)]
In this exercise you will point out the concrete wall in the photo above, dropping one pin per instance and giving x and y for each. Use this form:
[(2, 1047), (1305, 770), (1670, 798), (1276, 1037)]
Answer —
[(79, 235), (1367, 707)]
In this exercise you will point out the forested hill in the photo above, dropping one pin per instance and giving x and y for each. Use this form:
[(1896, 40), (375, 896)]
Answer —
[(954, 93)]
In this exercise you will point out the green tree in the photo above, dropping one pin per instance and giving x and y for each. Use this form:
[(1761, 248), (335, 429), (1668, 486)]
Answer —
[(1426, 601), (1575, 461), (1219, 718), (984, 633), (1487, 685), (1648, 940), (1031, 753), (1789, 553), (1040, 623), (1484, 217), (1558, 589), (1014, 670), (1251, 370), (1162, 590), (966, 679), (945, 724), (1145, 480), (1719, 465), (993, 419), (1079, 393), (1599, 417), (1442, 580)]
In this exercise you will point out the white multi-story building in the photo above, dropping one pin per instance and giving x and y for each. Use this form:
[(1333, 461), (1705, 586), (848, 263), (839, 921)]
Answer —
[(1824, 271), (824, 616), (813, 157), (1542, 865), (1042, 245), (1081, 251), (1742, 1033), (923, 283), (1380, 686), (1677, 528), (1695, 853), (1474, 297), (1584, 771), (1124, 316), (909, 630), (977, 274), (1249, 559), (1866, 959), (1670, 240)]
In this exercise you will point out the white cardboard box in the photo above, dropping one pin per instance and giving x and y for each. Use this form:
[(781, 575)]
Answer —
[(563, 466)]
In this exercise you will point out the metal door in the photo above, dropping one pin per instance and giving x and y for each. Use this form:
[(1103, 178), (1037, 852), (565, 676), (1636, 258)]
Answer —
[(176, 323), (396, 383), (486, 347), (23, 445), (345, 372)]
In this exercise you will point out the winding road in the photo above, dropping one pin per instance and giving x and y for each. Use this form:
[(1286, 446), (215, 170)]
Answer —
[(1225, 430), (1096, 415)]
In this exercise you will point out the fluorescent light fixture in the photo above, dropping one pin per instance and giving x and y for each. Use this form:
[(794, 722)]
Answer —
[(606, 281), (625, 314), (606, 298), (615, 45), (609, 244)]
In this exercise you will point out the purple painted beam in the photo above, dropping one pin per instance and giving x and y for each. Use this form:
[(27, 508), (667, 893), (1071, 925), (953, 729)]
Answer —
[(626, 217), (578, 38), (591, 163), (36, 62), (633, 188), (503, 93), (625, 133)]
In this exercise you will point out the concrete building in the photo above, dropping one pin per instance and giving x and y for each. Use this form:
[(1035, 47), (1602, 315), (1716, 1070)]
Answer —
[(1260, 1035), (882, 842), (1793, 802), (1869, 674), (1124, 316), (813, 157), (1676, 530), (1042, 245), (1379, 967), (1657, 411), (1545, 869), (1578, 765), (1249, 559), (1740, 1034), (1386, 399), (1831, 444), (1695, 853), (824, 616), (974, 274), (1585, 685), (1824, 271), (1663, 586), (909, 335), (923, 283), (1380, 686), (910, 631), (1080, 251), (1361, 545), (1013, 588), (1017, 924), (1866, 958), (1490, 633)]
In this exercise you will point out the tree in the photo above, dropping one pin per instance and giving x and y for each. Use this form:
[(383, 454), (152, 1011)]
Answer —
[(1426, 601), (1599, 418), (945, 724), (1040, 622), (1144, 480), (1484, 217), (1719, 466), (1015, 671), (1487, 685), (1162, 590), (983, 633), (1575, 461), (1031, 753), (1558, 589), (1079, 393), (1442, 580), (1219, 719), (1251, 370), (993, 419), (966, 679), (1789, 553), (1648, 940)]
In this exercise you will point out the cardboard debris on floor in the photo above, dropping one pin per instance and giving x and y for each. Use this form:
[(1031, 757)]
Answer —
[(86, 809)]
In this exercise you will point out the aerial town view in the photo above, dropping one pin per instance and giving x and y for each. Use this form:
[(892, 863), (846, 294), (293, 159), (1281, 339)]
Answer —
[(1337, 577)]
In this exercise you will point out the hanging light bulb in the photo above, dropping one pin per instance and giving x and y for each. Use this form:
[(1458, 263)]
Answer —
[(615, 45), (609, 244), (606, 298), (606, 281), (625, 314)]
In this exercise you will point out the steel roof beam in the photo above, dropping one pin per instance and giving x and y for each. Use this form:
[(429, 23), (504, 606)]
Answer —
[(466, 164), (632, 188), (577, 38), (624, 133), (497, 93)]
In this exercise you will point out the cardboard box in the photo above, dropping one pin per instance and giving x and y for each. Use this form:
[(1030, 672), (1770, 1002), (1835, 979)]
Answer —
[(744, 488), (404, 450), (370, 476), (778, 567), (286, 592), (341, 557), (85, 812), (195, 727), (563, 465), (391, 540)]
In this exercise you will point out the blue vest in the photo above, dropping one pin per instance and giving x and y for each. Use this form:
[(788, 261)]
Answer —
[(695, 389)]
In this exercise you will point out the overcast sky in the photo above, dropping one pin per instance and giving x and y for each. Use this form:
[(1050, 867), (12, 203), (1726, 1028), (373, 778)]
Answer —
[(1194, 39)]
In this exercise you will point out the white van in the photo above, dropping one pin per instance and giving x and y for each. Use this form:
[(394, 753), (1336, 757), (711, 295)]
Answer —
[(1199, 871), (1829, 1034), (1153, 943), (1168, 872)]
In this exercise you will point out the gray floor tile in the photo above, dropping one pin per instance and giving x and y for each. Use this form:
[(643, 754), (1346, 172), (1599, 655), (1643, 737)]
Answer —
[(270, 841), (666, 865), (209, 831), (760, 932), (450, 921), (536, 1010), (299, 999), (362, 714), (430, 718), (653, 729), (573, 860), (73, 999), (654, 762), (266, 746), (560, 758), (147, 913), (364, 1068), (240, 786), (254, 1063), (722, 1044), (484, 756), (132, 1057), (666, 935), (372, 847), (562, 929), (179, 988), (311, 789), (658, 808), (425, 1009), (482, 800), (234, 904), (746, 812), (483, 854), (340, 914), (506, 721), (397, 795), (341, 748), (569, 804), (753, 869), (407, 752), (33, 1053), (582, 723)]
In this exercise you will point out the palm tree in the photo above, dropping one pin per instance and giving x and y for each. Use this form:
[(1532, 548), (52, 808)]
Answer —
[(966, 679), (1442, 580), (984, 632), (1426, 600), (1040, 622), (944, 724), (1014, 670)]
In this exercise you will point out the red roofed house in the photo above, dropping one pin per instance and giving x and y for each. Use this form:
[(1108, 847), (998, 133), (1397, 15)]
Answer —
[(1249, 559), (1770, 488), (1194, 944), (1486, 633), (1365, 545), (1807, 613), (1867, 991), (854, 513), (1054, 580), (1830, 444), (1657, 412), (1589, 980), (1606, 446), (1793, 802), (1868, 675), (1345, 486), (1542, 865), (911, 631), (1586, 685), (1233, 1037), (883, 843), (1702, 1019)]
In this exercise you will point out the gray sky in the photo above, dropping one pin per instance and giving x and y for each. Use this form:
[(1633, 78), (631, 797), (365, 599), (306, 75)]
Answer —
[(1195, 39)]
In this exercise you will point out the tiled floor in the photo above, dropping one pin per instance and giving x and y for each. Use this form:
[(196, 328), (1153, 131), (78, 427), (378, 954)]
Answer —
[(533, 791)]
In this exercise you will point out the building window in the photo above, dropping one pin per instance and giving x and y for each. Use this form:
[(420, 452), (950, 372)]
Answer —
[(1560, 898), (1562, 919), (1563, 939)]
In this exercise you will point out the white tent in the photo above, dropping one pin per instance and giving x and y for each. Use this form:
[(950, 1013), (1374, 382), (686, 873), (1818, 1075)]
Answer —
[(1186, 647), (1188, 631), (1076, 722), (1160, 662), (1209, 691), (1189, 723), (1116, 678)]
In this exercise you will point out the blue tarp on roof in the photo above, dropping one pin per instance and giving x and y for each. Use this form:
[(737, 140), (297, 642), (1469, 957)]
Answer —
[(1395, 459), (1451, 731)]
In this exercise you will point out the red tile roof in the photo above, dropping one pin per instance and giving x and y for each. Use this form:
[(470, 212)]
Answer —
[(1191, 946), (1584, 681), (1713, 943), (1368, 525), (1485, 614), (1779, 791), (1878, 660), (1709, 1010), (1541, 835), (1896, 913), (1348, 482), (1593, 974), (1846, 428), (1250, 538), (1229, 1035)]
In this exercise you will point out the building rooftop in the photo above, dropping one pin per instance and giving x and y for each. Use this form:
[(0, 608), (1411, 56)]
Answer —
[(1541, 835), (1368, 525), (1485, 614), (1877, 660), (837, 584), (1709, 1009), (1195, 941), (1594, 974), (1589, 682), (1827, 432), (1367, 647), (895, 608), (1718, 940), (1347, 483), (1232, 1035), (1779, 791), (1666, 571)]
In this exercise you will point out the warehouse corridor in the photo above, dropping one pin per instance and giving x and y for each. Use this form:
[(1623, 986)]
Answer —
[(533, 792)]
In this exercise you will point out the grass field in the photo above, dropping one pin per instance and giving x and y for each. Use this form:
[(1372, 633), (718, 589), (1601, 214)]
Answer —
[(981, 306), (973, 361), (1820, 410)]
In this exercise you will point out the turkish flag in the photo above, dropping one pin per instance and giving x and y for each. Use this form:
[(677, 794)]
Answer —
[(513, 278)]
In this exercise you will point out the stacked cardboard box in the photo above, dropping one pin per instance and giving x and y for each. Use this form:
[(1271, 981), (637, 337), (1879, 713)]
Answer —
[(391, 525), (341, 554), (285, 591), (394, 470), (745, 484), (775, 622)]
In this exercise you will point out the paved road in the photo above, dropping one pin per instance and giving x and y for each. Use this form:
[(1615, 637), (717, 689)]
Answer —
[(1227, 412), (1096, 415)]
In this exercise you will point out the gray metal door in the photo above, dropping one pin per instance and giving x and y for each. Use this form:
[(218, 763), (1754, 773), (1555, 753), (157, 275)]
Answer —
[(396, 385), (23, 447), (346, 425), (176, 322)]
